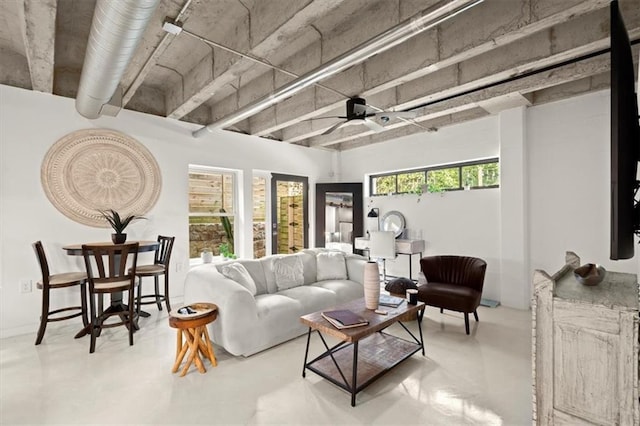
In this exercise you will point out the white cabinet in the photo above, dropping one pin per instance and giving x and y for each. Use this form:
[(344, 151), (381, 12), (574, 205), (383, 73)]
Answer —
[(585, 349)]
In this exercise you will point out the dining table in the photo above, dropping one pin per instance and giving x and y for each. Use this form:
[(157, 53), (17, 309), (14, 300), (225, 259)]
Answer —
[(116, 304)]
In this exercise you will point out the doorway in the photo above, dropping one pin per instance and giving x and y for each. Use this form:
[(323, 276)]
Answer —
[(289, 213), (338, 215)]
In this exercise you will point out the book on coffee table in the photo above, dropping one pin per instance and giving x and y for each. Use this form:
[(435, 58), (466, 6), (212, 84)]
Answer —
[(344, 318), (391, 301)]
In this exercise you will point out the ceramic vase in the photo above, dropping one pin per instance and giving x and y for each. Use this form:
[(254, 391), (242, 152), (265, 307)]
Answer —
[(206, 256), (371, 282)]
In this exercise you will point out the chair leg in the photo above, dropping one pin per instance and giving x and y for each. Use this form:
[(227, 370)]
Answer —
[(132, 310), (466, 322), (44, 315), (441, 310), (166, 291), (83, 304), (94, 324), (475, 315), (157, 287), (139, 296)]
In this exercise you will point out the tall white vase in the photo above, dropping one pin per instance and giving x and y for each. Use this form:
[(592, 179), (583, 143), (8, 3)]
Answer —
[(371, 282)]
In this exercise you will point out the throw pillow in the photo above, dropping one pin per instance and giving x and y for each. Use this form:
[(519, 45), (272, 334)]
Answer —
[(288, 271), (331, 266), (238, 273)]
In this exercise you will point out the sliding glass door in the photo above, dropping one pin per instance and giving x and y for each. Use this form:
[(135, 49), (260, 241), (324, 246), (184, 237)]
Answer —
[(289, 213)]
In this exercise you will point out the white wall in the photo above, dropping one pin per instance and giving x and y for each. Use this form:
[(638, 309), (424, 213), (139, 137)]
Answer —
[(554, 195), (460, 222), (568, 149), (30, 122)]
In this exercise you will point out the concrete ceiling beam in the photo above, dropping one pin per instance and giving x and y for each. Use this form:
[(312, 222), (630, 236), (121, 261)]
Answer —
[(39, 34), (457, 41), (281, 35), (529, 84)]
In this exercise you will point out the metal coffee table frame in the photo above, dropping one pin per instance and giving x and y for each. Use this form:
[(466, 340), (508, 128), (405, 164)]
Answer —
[(368, 350)]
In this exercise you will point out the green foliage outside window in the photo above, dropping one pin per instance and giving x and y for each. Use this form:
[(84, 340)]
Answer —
[(410, 182), (480, 175), (440, 179), (473, 174)]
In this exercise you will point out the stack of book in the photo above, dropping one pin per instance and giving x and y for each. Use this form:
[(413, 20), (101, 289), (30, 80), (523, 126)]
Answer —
[(344, 318), (391, 301)]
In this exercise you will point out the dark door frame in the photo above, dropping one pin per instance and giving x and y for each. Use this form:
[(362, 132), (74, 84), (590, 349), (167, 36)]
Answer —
[(355, 189), (275, 177)]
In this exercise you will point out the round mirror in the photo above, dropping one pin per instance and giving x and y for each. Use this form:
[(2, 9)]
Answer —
[(393, 221)]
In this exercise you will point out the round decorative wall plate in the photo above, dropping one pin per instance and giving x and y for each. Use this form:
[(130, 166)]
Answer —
[(91, 170)]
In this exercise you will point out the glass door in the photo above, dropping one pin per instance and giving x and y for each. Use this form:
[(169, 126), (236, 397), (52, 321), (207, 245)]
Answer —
[(289, 213)]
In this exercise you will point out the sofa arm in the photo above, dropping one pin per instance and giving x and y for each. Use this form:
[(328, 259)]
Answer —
[(355, 267), (237, 312)]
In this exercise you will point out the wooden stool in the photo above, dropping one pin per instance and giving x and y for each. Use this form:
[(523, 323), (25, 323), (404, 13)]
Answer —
[(196, 337)]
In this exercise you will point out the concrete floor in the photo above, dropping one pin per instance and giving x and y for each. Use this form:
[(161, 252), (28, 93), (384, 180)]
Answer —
[(484, 378)]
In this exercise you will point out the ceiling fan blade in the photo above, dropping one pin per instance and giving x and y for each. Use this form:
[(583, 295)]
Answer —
[(334, 127), (322, 118), (373, 125), (385, 116)]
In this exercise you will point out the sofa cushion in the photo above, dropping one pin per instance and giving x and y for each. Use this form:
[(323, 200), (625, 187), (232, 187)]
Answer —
[(288, 272), (331, 266), (255, 269), (345, 290), (311, 298), (237, 272), (309, 266)]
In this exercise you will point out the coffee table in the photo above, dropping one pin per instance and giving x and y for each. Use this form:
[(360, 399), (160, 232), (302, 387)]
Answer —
[(364, 353)]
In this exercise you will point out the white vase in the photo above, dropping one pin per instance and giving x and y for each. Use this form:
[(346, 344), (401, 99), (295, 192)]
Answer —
[(371, 282), (207, 256)]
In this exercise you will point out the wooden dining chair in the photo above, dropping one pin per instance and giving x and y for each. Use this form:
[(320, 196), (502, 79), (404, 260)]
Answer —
[(50, 282), (111, 269), (159, 267)]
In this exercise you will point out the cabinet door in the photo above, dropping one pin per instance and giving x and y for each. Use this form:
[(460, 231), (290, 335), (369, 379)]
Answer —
[(592, 372)]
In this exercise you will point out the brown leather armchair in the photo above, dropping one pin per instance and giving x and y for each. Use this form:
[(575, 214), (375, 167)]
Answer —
[(454, 283)]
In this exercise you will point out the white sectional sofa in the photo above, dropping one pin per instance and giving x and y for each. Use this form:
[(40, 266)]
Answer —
[(261, 301)]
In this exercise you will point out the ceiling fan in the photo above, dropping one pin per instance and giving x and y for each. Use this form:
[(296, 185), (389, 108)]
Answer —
[(357, 113)]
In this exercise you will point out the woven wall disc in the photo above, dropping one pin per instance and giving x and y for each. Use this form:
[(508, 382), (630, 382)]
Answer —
[(96, 169)]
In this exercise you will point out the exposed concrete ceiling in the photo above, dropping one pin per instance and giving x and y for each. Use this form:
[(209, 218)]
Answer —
[(461, 69)]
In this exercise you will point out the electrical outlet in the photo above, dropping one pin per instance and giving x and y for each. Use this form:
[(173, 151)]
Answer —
[(25, 286), (179, 267)]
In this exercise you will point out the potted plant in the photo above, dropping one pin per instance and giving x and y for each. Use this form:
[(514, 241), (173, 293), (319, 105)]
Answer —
[(226, 251), (118, 224)]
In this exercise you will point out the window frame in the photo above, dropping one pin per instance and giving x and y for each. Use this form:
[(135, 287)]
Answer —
[(199, 169), (426, 170)]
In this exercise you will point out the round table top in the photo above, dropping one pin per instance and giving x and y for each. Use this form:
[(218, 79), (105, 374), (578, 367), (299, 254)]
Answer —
[(76, 249), (205, 313)]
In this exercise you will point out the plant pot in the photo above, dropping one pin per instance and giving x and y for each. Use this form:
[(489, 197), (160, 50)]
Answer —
[(118, 238), (206, 256)]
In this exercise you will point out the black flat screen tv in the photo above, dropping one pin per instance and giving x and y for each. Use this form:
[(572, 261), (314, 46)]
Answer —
[(625, 141)]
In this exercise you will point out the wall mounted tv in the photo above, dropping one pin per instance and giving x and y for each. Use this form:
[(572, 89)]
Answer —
[(625, 141)]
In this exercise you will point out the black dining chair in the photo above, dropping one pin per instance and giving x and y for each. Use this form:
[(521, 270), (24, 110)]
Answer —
[(111, 269), (159, 267), (55, 281)]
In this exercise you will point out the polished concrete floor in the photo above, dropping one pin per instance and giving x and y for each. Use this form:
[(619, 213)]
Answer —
[(484, 378)]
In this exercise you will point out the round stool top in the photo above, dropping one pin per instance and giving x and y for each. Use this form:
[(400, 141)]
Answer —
[(204, 314)]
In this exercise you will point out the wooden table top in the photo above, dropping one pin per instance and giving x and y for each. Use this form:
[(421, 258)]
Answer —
[(377, 322), (76, 249)]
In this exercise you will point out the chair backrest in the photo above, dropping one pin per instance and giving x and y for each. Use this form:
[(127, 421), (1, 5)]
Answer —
[(382, 245), (113, 262), (42, 260), (463, 270), (163, 253)]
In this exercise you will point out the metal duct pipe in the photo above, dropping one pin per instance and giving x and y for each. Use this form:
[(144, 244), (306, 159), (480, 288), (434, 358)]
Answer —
[(116, 30), (392, 37)]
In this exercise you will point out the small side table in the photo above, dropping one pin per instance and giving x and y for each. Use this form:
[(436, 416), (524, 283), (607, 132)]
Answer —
[(196, 337)]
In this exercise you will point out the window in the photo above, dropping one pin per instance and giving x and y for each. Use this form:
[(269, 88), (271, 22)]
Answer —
[(259, 216), (470, 175), (211, 209)]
